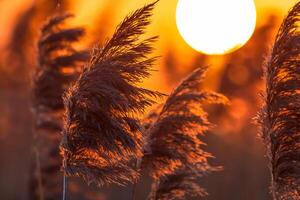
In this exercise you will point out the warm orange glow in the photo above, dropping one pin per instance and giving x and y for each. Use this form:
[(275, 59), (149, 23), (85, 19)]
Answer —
[(216, 26), (186, 30)]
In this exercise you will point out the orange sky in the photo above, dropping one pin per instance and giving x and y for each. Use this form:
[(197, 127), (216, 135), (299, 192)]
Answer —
[(163, 25), (164, 17)]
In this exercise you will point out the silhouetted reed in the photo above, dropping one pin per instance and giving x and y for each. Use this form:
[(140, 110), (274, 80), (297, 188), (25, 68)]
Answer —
[(180, 185), (280, 116), (58, 65), (175, 145), (102, 132)]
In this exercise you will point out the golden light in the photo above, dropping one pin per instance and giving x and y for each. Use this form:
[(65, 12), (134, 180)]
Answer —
[(216, 26)]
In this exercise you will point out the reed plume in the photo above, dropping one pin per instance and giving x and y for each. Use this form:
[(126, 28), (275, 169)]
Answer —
[(102, 132), (280, 115), (175, 146), (180, 185), (58, 65)]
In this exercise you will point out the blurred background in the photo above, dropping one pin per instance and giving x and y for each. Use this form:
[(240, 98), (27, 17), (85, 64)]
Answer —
[(234, 142)]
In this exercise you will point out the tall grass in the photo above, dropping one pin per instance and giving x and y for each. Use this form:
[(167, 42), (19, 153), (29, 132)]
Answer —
[(103, 140), (102, 132), (173, 153), (58, 65), (280, 116), (103, 135)]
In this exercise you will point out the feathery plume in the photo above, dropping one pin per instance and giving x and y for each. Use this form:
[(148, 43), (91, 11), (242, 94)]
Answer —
[(280, 115), (102, 132), (179, 185), (58, 65), (174, 138)]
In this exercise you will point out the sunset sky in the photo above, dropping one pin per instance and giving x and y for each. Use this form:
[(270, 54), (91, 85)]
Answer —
[(164, 16), (164, 22), (104, 108)]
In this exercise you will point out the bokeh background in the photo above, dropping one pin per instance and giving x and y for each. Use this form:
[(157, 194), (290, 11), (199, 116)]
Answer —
[(234, 141)]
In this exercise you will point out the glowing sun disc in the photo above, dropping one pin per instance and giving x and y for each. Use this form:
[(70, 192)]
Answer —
[(216, 26)]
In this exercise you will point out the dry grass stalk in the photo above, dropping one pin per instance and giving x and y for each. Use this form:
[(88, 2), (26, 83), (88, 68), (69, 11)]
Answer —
[(179, 185), (175, 148), (280, 116), (58, 65), (102, 133)]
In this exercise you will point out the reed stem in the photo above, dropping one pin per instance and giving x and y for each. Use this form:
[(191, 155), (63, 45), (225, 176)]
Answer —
[(64, 183)]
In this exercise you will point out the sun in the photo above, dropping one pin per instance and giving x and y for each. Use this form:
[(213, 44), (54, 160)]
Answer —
[(216, 26)]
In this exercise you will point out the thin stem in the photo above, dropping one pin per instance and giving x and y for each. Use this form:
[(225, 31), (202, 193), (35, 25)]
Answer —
[(65, 182), (273, 189), (154, 186)]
